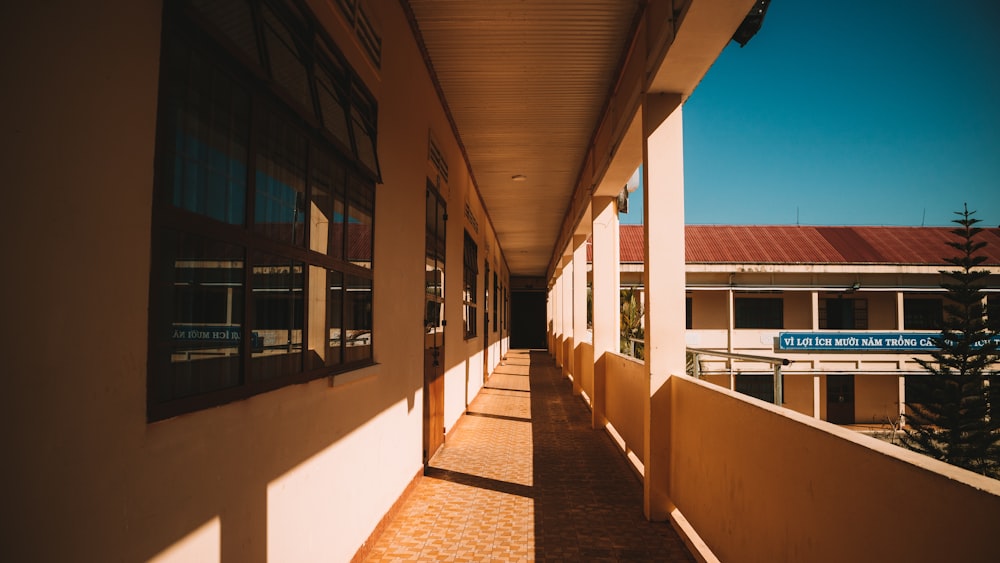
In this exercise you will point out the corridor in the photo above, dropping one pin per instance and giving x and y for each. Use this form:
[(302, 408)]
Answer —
[(523, 477)]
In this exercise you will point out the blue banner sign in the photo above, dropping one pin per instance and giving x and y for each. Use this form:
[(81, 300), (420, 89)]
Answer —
[(858, 341)]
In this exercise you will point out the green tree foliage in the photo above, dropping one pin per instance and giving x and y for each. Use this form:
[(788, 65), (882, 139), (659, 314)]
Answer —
[(951, 415), (631, 321)]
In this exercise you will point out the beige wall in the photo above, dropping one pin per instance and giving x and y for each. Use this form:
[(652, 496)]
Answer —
[(301, 473)]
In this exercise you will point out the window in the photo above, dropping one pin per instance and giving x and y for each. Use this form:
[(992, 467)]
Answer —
[(922, 314), (469, 272), (759, 386), (993, 312), (263, 215), (840, 313), (688, 313), (759, 312), (496, 301)]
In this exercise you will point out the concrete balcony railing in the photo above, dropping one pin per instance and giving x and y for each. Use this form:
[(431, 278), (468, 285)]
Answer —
[(757, 482)]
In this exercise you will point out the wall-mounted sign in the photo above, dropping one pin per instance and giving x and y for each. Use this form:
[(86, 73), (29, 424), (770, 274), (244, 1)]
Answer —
[(860, 341), (857, 341)]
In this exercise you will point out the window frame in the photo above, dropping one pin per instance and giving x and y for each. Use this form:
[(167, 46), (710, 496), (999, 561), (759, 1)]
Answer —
[(470, 295), (189, 34), (750, 319), (917, 317)]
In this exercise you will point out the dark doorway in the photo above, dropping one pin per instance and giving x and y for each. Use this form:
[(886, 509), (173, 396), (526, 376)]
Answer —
[(840, 399), (527, 319)]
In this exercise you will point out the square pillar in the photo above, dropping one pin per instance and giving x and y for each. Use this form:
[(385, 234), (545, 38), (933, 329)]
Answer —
[(606, 297), (557, 317), (664, 278), (567, 315), (814, 297), (579, 307)]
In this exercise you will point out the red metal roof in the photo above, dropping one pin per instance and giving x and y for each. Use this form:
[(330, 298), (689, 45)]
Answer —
[(754, 244)]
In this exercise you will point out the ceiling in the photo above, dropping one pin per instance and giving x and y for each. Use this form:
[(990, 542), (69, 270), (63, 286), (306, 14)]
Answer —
[(525, 83)]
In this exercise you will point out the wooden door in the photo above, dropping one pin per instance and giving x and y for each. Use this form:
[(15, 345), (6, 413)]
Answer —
[(434, 323), (840, 399)]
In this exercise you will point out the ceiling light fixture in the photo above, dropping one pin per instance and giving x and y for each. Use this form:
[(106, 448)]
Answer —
[(519, 177)]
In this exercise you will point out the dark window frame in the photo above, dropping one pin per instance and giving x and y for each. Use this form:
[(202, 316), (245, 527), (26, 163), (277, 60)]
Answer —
[(923, 313), (858, 314), (470, 274), (758, 312), (190, 37)]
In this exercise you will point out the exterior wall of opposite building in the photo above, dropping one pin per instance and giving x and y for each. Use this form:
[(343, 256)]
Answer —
[(297, 473)]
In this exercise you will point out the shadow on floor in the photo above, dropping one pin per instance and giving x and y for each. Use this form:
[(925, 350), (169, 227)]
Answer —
[(588, 502)]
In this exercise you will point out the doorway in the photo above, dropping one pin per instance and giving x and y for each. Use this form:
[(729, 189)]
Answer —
[(434, 324), (840, 399), (527, 319)]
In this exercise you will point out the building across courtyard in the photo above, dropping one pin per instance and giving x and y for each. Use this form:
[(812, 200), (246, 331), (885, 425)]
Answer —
[(849, 309)]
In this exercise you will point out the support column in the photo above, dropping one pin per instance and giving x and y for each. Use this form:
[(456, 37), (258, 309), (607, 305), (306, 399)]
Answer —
[(550, 318), (902, 401), (814, 296), (664, 278), (730, 311), (567, 316), (607, 301), (899, 310), (579, 307), (816, 397), (557, 326)]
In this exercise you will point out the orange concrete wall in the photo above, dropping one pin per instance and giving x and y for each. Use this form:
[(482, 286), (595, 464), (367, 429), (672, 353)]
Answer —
[(876, 399), (301, 473), (881, 310), (798, 310), (627, 386), (709, 310), (799, 393), (780, 486), (586, 360)]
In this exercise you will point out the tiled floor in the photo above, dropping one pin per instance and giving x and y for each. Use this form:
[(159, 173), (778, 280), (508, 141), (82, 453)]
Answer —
[(523, 477)]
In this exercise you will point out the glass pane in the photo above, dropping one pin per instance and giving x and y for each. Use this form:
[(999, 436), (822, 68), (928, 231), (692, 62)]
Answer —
[(327, 209), (208, 116), (325, 306), (280, 198), (365, 138), (276, 341), (234, 19), (286, 63), (331, 103), (201, 300), (360, 225), (358, 319), (335, 314)]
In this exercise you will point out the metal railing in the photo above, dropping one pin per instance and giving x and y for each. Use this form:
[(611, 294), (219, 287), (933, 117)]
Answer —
[(694, 365)]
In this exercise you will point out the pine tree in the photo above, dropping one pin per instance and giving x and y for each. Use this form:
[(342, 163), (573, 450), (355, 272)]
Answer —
[(953, 420)]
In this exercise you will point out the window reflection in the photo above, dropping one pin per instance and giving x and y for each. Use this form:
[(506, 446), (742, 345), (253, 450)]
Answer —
[(202, 280), (280, 182), (360, 226), (209, 119), (327, 219), (277, 305), (358, 318)]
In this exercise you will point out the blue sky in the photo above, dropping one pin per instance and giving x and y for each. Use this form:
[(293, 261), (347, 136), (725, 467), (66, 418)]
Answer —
[(881, 112)]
